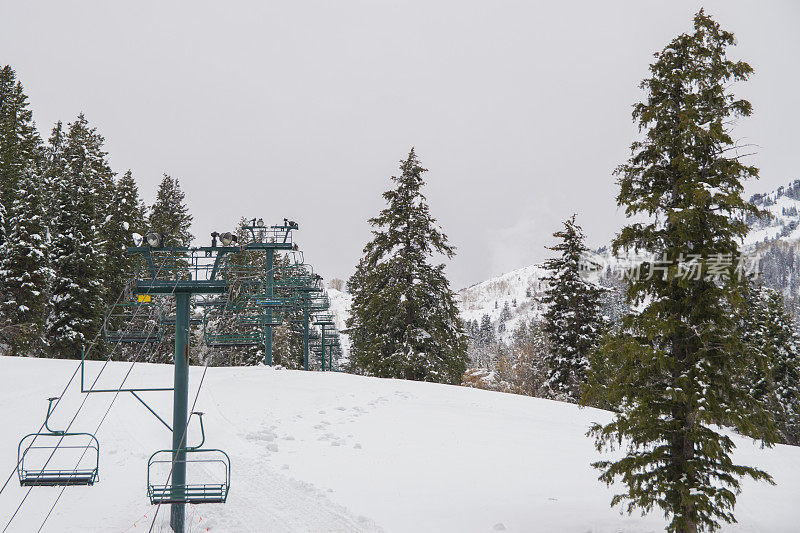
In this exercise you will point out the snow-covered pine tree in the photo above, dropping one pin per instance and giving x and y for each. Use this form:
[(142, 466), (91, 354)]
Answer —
[(486, 331), (773, 376), (20, 144), (505, 314), (677, 358), (170, 215), (24, 270), (53, 163), (404, 320), (82, 182), (20, 154), (572, 319), (126, 216)]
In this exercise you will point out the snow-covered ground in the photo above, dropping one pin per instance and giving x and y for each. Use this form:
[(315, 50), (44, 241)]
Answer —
[(318, 452)]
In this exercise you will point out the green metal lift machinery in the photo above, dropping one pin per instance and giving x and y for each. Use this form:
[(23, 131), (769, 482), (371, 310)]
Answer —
[(244, 296), (186, 272)]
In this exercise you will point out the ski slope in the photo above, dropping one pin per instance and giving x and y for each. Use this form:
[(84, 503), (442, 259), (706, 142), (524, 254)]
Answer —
[(320, 452)]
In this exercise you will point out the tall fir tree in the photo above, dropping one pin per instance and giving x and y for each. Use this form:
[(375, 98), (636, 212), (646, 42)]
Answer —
[(82, 185), (676, 359), (24, 270), (773, 377), (404, 320), (170, 215), (20, 144), (126, 216), (572, 320), (53, 169), (20, 154)]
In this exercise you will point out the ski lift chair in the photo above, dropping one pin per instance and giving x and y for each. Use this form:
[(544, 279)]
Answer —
[(203, 459), (37, 451), (132, 322)]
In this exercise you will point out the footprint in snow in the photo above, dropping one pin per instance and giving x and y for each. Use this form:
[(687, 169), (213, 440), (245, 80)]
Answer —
[(265, 435), (499, 527)]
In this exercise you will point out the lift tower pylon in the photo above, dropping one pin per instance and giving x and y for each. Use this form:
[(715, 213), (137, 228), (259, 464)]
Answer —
[(185, 272)]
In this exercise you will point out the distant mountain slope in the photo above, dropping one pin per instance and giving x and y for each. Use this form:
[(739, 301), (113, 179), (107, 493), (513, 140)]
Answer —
[(783, 204), (776, 240), (518, 289)]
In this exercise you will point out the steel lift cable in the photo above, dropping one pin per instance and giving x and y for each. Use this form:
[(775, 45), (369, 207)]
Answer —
[(69, 382), (97, 430), (83, 402), (105, 364), (72, 377)]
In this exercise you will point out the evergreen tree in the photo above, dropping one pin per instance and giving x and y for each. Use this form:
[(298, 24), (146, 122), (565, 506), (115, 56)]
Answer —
[(20, 144), (486, 331), (126, 217), (24, 270), (404, 320), (170, 217), (572, 320), (505, 314), (773, 377), (169, 214), (82, 183), (20, 154), (54, 168), (676, 359)]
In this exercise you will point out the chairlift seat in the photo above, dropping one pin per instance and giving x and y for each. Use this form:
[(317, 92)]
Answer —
[(195, 493), (57, 478), (40, 456)]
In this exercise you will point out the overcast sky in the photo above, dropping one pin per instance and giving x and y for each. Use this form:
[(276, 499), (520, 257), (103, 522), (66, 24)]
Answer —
[(303, 109)]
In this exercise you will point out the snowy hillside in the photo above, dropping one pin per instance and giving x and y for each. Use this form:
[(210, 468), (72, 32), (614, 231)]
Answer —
[(518, 290), (334, 452), (783, 204), (489, 297)]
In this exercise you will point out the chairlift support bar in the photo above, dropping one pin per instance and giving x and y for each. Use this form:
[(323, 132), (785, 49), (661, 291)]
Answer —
[(139, 389)]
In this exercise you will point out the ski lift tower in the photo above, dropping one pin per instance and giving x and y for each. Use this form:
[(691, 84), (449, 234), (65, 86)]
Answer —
[(185, 272)]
